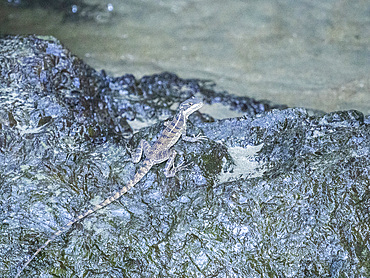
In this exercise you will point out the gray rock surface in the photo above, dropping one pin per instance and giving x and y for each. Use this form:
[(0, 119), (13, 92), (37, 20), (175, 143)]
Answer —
[(279, 192)]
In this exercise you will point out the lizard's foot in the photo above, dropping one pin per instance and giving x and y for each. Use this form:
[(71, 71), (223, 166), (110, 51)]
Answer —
[(181, 167), (195, 138)]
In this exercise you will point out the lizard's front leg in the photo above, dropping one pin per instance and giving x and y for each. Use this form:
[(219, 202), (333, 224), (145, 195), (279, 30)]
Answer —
[(194, 138)]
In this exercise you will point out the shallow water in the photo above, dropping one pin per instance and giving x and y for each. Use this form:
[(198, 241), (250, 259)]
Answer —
[(313, 54)]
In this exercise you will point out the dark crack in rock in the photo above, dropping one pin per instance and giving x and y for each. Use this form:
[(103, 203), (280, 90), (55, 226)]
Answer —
[(276, 193)]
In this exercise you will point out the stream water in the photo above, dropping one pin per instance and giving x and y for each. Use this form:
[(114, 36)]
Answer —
[(313, 54)]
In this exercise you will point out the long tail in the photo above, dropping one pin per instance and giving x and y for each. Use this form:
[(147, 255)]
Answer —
[(143, 170)]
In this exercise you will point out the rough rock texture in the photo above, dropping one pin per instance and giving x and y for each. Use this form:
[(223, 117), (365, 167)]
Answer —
[(276, 193)]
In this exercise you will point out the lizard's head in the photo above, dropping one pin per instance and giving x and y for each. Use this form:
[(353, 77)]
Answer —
[(189, 106)]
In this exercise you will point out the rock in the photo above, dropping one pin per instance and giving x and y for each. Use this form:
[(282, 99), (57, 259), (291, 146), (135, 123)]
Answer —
[(278, 192)]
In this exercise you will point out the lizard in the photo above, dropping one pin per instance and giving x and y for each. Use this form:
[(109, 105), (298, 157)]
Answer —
[(159, 152)]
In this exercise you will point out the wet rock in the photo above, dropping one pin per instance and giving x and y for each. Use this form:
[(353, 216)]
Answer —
[(279, 192)]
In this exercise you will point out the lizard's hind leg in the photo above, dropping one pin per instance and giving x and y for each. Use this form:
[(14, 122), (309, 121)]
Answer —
[(143, 146), (170, 170)]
